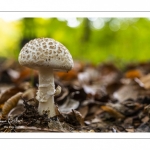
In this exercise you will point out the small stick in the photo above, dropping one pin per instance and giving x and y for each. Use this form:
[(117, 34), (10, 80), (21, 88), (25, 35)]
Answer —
[(31, 128)]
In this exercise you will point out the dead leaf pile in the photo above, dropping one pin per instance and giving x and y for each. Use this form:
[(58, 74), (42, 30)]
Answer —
[(99, 98)]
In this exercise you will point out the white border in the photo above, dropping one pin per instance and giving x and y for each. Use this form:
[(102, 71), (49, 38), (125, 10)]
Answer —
[(74, 5), (51, 135), (78, 144)]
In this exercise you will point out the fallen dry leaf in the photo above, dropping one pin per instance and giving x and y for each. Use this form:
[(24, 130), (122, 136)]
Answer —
[(84, 111), (133, 74), (9, 93), (78, 117), (29, 93), (112, 112), (25, 73), (144, 81), (67, 76), (126, 92), (10, 104), (93, 99), (19, 109), (69, 105)]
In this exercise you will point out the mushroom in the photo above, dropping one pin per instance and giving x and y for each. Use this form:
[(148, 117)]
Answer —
[(46, 55)]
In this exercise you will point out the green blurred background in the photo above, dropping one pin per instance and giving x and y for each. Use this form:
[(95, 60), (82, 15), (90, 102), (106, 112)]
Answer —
[(93, 40)]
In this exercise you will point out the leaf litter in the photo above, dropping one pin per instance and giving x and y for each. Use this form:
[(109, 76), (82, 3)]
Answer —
[(99, 98)]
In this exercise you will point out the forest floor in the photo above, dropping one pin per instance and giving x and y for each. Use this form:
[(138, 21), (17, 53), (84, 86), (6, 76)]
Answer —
[(98, 98)]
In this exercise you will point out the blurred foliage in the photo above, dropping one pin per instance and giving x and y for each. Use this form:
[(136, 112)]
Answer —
[(91, 39), (9, 38)]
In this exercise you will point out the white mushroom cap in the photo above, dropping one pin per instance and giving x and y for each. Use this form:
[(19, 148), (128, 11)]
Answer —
[(47, 53)]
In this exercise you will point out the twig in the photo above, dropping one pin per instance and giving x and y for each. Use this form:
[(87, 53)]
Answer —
[(31, 128)]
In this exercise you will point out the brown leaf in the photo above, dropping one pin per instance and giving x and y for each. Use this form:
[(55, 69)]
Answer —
[(79, 117), (112, 112), (72, 74), (144, 81), (25, 73), (128, 121), (145, 119), (133, 74), (74, 118), (126, 92), (111, 88), (16, 110), (109, 74), (9, 93), (96, 120), (64, 93), (131, 104), (93, 109), (1, 106), (144, 127), (147, 110), (130, 130), (59, 114), (10, 104), (67, 76), (29, 94), (84, 110), (25, 85)]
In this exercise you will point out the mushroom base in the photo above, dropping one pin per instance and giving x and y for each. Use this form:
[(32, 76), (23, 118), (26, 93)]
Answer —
[(47, 107)]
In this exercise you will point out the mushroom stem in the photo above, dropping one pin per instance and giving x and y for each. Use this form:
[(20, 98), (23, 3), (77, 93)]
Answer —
[(45, 93)]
